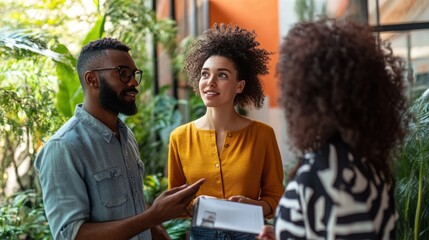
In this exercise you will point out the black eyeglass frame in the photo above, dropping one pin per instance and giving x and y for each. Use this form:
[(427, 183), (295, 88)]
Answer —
[(119, 68)]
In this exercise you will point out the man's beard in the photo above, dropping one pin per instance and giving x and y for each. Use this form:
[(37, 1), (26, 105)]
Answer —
[(110, 101)]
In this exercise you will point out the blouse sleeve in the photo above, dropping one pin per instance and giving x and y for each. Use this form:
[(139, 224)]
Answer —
[(176, 176), (272, 175)]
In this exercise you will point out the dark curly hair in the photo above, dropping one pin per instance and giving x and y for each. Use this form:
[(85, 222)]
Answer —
[(239, 46), (93, 53), (338, 81)]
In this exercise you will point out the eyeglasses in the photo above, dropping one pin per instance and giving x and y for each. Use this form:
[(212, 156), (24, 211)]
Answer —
[(125, 73)]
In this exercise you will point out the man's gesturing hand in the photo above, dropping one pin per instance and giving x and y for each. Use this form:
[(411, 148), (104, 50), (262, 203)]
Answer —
[(172, 203)]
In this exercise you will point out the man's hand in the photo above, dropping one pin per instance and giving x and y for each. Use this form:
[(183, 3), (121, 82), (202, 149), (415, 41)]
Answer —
[(159, 233), (172, 203)]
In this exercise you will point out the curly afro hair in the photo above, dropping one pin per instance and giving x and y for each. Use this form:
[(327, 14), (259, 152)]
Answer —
[(239, 46), (338, 81)]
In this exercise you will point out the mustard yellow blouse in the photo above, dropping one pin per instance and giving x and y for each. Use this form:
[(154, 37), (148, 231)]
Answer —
[(249, 164)]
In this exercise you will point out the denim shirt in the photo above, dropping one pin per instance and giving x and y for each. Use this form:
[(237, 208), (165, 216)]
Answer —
[(86, 174)]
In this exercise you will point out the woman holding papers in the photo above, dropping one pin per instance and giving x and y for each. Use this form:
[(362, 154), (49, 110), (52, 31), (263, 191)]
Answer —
[(238, 157), (343, 93)]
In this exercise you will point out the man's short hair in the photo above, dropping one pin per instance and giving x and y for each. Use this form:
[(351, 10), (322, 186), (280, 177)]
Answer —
[(92, 54)]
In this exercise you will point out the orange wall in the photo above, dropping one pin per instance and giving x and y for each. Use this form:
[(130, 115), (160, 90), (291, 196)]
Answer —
[(260, 16)]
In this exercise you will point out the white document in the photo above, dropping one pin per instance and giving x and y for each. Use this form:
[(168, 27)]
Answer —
[(227, 215)]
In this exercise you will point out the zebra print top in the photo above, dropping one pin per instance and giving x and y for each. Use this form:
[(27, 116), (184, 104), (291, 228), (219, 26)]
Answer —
[(335, 196)]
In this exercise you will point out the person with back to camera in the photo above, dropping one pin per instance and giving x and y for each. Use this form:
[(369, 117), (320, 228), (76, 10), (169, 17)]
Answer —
[(90, 169), (344, 99), (238, 157)]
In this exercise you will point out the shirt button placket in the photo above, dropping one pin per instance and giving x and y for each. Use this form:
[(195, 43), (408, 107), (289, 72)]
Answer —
[(229, 135), (131, 178)]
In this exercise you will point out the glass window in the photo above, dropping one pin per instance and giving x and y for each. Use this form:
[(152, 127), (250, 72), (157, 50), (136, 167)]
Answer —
[(413, 47), (398, 11)]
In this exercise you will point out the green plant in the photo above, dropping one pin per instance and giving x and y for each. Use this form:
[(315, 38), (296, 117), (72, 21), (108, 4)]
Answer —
[(154, 185), (308, 10), (178, 228), (411, 168), (23, 217), (156, 118), (27, 114)]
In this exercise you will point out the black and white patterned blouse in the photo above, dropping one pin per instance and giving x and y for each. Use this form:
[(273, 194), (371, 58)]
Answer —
[(335, 196)]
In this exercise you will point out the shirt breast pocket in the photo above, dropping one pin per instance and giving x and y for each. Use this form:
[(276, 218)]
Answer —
[(111, 187)]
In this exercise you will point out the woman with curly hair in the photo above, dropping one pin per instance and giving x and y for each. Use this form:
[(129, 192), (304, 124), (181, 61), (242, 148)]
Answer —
[(238, 157), (343, 95)]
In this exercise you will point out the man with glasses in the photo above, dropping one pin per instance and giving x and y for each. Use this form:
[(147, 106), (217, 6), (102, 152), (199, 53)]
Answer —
[(90, 170)]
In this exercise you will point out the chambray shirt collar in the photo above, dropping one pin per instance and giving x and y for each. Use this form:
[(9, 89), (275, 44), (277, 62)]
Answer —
[(98, 126)]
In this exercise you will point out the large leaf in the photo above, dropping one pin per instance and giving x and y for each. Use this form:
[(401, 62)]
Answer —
[(69, 88), (97, 30)]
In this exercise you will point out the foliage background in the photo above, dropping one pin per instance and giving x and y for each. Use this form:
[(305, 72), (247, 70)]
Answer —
[(39, 44)]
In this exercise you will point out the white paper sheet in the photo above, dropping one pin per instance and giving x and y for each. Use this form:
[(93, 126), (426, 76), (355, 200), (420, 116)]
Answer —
[(227, 215)]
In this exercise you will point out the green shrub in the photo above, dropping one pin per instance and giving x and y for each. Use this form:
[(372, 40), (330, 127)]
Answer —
[(23, 217)]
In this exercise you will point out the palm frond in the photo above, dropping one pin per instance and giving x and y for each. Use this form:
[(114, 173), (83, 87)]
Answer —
[(21, 43), (412, 187)]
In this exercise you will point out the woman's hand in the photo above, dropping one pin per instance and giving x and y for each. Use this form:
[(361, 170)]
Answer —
[(201, 196), (242, 199), (266, 208), (190, 207), (267, 233)]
